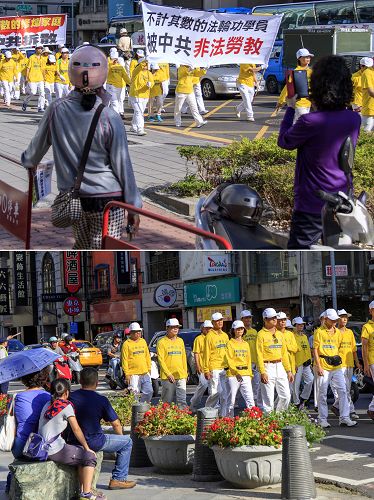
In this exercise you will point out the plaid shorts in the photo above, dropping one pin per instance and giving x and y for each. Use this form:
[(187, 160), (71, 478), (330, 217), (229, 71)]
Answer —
[(88, 230)]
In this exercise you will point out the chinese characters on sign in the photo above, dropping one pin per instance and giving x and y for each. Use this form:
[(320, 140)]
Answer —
[(20, 278), (123, 269), (30, 30), (198, 38), (72, 306), (4, 292), (72, 271), (340, 270), (14, 210)]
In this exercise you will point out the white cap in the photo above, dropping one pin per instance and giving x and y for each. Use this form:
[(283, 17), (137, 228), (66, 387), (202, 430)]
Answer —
[(269, 312), (343, 312), (155, 66), (207, 324), (367, 61), (60, 45), (331, 314), (288, 324), (46, 49), (140, 53), (322, 315), (216, 316), (371, 305), (246, 314), (64, 49), (298, 321), (172, 322), (122, 30), (52, 58), (39, 45), (303, 53), (114, 54), (8, 54), (135, 327), (281, 315), (237, 324)]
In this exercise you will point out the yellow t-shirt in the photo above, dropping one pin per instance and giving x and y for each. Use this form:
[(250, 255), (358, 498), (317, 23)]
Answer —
[(198, 73), (198, 348), (62, 67), (238, 358), (292, 347), (271, 347), (347, 348), (50, 73), (166, 71), (172, 358), (357, 90), (135, 356), (117, 76), (327, 344), (133, 65), (300, 103), (304, 352), (367, 81), (8, 70), (57, 55), (185, 79), (246, 76), (36, 66), (23, 66), (139, 87), (156, 90), (368, 333), (250, 336), (215, 350)]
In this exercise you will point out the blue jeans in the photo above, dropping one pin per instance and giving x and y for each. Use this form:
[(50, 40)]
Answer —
[(122, 446)]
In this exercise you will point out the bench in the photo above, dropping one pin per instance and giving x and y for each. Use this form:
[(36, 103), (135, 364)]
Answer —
[(47, 480)]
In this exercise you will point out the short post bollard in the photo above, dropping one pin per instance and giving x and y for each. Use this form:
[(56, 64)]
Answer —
[(297, 473), (205, 467), (139, 456)]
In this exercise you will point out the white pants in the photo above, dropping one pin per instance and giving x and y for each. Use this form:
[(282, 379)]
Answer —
[(347, 372), (303, 373), (115, 97), (7, 88), (16, 87), (142, 384), (315, 388), (371, 405), (176, 392), (218, 391), (138, 104), (34, 88), (299, 111), (49, 89), (199, 100), (247, 94), (199, 392), (256, 379), (180, 99), (122, 99), (61, 89), (22, 85), (245, 387), (367, 123), (156, 102), (277, 380), (334, 378)]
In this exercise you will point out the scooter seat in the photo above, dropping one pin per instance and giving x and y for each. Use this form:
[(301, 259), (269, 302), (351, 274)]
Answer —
[(245, 237)]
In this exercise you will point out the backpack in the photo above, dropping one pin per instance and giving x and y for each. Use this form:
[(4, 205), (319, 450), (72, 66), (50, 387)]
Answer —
[(36, 447)]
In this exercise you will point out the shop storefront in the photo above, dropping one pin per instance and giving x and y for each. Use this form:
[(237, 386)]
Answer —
[(109, 316)]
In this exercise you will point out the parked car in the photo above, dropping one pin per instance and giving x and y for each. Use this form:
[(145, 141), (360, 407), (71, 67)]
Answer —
[(15, 345), (89, 354), (188, 336)]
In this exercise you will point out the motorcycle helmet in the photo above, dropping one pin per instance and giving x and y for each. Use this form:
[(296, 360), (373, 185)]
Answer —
[(88, 68), (68, 338), (239, 203), (53, 339)]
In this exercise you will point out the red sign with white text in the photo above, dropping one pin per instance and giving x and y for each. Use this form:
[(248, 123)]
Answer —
[(72, 271), (72, 306)]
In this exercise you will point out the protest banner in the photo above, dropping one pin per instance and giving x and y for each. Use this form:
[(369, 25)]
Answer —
[(27, 31), (198, 38), (43, 180)]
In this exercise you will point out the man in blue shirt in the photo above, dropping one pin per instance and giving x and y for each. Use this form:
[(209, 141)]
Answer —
[(90, 409)]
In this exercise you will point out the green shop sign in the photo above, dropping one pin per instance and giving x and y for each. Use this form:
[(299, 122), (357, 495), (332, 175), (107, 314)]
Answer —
[(214, 292)]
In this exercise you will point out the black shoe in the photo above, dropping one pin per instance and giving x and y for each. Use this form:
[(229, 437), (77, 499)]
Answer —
[(335, 411)]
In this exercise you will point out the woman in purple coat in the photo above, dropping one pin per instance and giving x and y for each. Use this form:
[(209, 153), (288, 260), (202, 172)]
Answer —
[(318, 137)]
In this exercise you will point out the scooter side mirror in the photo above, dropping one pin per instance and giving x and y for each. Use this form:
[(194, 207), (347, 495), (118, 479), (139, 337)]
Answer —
[(346, 156)]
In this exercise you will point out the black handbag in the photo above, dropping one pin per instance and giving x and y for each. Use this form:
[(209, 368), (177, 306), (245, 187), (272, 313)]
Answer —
[(332, 360), (67, 207)]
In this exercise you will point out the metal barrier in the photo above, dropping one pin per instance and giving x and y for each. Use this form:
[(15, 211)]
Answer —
[(109, 242)]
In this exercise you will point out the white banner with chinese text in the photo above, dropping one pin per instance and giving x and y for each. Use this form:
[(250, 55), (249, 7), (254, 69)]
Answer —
[(198, 38), (27, 31)]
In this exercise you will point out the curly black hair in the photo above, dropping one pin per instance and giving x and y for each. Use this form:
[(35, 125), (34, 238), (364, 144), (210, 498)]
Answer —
[(37, 379), (331, 87)]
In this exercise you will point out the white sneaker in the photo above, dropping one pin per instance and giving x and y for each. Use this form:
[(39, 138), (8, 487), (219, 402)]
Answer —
[(250, 119), (142, 132), (347, 422), (324, 424), (237, 114), (178, 125), (204, 122)]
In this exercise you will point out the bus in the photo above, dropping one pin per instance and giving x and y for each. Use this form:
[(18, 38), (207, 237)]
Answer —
[(322, 14)]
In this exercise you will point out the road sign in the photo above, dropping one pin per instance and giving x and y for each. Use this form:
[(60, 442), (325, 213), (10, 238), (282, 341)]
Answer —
[(24, 8), (72, 306), (54, 297), (73, 328)]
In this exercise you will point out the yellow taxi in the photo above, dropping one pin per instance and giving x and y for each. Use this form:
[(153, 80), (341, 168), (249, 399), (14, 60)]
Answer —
[(89, 355)]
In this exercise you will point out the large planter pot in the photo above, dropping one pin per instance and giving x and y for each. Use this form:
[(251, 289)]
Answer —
[(171, 454), (250, 466)]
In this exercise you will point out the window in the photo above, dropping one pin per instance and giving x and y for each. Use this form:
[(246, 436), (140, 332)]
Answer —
[(66, 9), (307, 18), (162, 266), (102, 277), (48, 274), (267, 267), (329, 13), (365, 11), (41, 9)]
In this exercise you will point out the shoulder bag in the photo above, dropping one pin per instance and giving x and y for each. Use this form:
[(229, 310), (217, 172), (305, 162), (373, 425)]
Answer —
[(8, 430), (67, 208)]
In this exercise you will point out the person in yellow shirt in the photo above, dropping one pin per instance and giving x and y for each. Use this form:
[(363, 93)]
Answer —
[(348, 353), (367, 336), (250, 336), (155, 99), (139, 54), (116, 81), (184, 93), (23, 69), (198, 93), (35, 79), (273, 364), (62, 83), (215, 364), (303, 362), (289, 337), (303, 104), (326, 346), (58, 53), (357, 86), (239, 368), (172, 359), (45, 53), (8, 76), (246, 86), (136, 363), (49, 78), (367, 85), (17, 56), (198, 352), (141, 84)]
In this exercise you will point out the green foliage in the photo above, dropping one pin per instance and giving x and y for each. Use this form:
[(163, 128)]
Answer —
[(190, 186), (166, 420), (123, 407), (4, 404)]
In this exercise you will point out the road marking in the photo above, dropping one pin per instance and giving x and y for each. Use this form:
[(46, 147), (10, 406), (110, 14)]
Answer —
[(343, 457), (343, 480), (369, 465), (210, 113), (264, 129), (190, 133), (341, 436)]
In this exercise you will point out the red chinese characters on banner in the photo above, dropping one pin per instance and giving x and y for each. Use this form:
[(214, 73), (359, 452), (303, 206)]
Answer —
[(72, 306), (233, 45), (72, 271)]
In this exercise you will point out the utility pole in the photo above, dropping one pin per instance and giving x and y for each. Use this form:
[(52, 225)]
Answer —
[(333, 281), (301, 267)]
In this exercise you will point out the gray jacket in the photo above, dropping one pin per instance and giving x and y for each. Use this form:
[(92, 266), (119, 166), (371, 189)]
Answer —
[(108, 171)]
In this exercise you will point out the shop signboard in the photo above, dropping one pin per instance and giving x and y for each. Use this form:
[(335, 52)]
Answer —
[(212, 292), (20, 279), (203, 313)]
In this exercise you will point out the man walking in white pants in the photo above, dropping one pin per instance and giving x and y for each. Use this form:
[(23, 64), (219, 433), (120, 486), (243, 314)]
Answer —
[(367, 336), (250, 336), (35, 79), (303, 362), (198, 93), (198, 352), (184, 93)]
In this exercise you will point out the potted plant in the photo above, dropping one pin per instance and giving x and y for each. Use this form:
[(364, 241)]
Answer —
[(4, 406), (169, 436), (122, 405), (248, 448)]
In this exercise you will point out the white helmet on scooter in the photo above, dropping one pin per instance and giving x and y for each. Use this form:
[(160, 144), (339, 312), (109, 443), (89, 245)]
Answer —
[(88, 68)]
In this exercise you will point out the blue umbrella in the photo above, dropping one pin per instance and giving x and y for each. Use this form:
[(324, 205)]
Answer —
[(25, 362)]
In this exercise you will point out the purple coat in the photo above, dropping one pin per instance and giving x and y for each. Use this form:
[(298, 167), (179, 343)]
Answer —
[(318, 137)]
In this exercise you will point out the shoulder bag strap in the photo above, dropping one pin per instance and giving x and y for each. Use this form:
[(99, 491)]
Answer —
[(86, 150)]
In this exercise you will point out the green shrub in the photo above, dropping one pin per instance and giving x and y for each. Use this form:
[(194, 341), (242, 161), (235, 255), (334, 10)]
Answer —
[(123, 407)]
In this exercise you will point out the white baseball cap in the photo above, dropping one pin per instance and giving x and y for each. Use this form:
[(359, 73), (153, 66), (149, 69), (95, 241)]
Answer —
[(322, 315), (60, 45), (269, 312), (217, 316), (155, 66), (207, 324), (141, 60), (39, 45), (367, 61), (281, 315), (303, 53), (298, 321), (343, 312), (172, 322), (52, 58), (63, 50), (288, 324), (237, 324), (331, 314), (114, 54), (140, 53), (123, 30), (135, 327), (47, 49), (246, 314), (8, 54), (371, 305)]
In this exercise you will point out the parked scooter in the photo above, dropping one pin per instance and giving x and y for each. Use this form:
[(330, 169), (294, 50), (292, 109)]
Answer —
[(75, 366), (115, 376)]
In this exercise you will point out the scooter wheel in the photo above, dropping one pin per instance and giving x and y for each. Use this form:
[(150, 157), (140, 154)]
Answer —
[(112, 385)]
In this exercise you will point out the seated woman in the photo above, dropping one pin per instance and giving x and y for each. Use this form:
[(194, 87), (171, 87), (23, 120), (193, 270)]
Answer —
[(318, 138), (54, 418)]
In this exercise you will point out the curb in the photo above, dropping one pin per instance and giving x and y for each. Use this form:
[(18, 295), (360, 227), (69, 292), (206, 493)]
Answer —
[(359, 489), (182, 206)]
